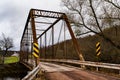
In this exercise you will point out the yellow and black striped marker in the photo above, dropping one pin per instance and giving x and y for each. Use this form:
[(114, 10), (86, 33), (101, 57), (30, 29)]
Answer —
[(35, 50), (98, 51)]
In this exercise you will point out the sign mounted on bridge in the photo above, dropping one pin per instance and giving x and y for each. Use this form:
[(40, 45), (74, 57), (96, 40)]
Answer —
[(98, 52), (35, 50)]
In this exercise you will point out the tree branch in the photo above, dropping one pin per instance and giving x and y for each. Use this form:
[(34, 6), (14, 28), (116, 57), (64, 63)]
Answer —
[(95, 16), (112, 4), (83, 33)]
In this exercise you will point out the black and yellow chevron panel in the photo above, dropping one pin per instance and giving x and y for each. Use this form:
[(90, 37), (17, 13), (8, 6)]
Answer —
[(98, 51), (36, 50)]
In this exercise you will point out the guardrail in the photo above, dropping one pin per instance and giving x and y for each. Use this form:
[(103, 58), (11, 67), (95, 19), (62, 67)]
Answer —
[(87, 63), (32, 74)]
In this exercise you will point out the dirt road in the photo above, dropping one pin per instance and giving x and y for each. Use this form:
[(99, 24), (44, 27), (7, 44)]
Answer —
[(59, 72)]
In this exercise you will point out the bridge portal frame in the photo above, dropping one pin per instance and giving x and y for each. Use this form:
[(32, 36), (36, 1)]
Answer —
[(34, 13)]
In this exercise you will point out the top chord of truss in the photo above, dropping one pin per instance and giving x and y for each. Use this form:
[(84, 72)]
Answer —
[(48, 14)]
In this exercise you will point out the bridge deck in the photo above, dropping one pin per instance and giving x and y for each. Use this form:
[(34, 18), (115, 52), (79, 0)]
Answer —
[(59, 72)]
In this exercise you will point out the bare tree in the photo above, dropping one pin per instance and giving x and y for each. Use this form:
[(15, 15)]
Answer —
[(82, 14), (115, 3), (6, 43), (85, 14)]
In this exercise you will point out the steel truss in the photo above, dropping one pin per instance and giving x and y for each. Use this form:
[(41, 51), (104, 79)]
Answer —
[(31, 36)]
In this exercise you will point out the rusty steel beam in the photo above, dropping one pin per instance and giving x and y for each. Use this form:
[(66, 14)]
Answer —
[(40, 29), (40, 46), (48, 14), (34, 32), (77, 47), (31, 34), (33, 27), (49, 27), (37, 29), (28, 18), (45, 44), (31, 31), (53, 43), (43, 22)]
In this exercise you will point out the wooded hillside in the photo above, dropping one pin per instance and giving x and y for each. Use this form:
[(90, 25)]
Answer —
[(87, 44)]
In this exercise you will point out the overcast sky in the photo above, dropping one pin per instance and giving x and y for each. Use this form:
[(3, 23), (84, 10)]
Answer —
[(13, 15)]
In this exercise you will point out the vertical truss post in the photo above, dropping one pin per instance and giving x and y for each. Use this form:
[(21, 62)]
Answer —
[(27, 46), (40, 46), (64, 42), (34, 33), (31, 47), (73, 38), (45, 46), (20, 51), (42, 51), (52, 41)]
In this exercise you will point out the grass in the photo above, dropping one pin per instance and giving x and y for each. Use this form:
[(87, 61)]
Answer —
[(12, 59)]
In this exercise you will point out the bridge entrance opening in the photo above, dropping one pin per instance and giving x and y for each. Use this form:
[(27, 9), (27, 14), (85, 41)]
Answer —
[(52, 32)]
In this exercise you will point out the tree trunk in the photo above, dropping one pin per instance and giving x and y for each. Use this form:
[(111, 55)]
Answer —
[(6, 51)]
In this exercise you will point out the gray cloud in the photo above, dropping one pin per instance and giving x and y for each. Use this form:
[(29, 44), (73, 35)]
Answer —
[(13, 15)]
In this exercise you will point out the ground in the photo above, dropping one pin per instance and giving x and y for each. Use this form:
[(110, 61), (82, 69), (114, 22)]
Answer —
[(13, 70), (61, 72)]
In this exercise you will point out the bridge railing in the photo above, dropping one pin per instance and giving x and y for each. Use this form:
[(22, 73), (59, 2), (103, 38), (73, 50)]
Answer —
[(31, 75), (87, 63)]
